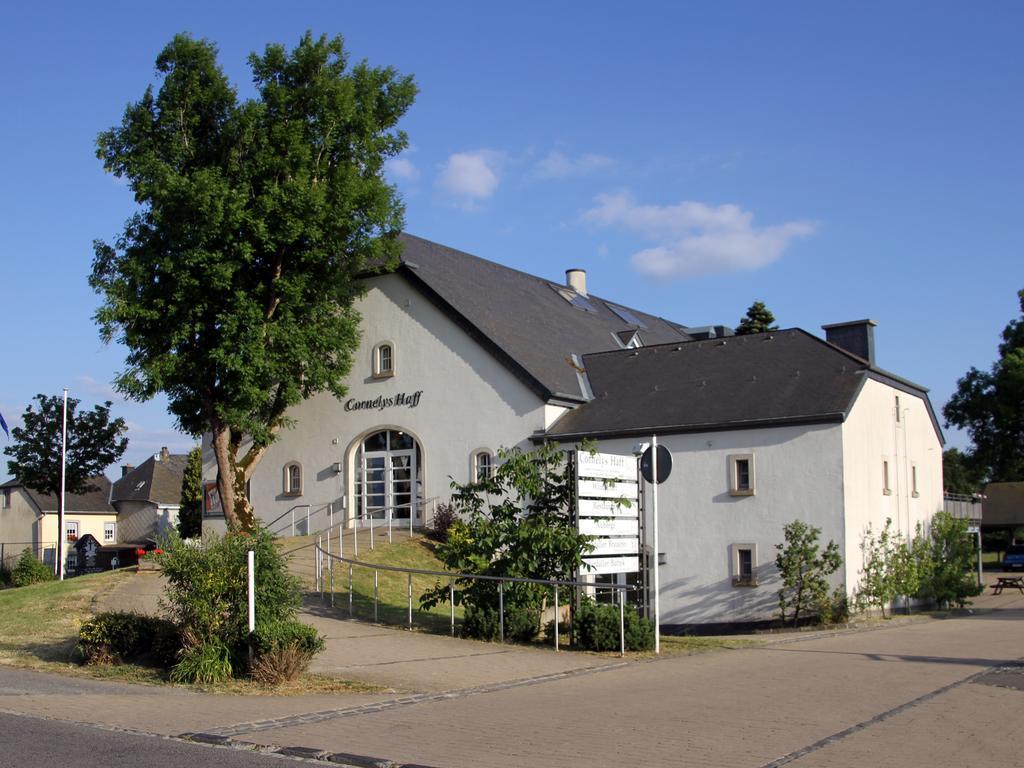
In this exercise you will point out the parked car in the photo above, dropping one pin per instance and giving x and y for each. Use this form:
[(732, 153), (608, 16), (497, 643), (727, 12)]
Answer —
[(1014, 558)]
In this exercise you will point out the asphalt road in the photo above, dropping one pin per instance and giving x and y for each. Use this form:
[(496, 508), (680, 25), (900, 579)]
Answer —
[(24, 741)]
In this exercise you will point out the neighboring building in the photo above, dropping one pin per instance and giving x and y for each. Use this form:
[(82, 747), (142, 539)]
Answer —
[(30, 519), (461, 357), (147, 497), (1003, 507)]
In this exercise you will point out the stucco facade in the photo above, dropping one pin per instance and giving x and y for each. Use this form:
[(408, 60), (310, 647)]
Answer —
[(430, 392)]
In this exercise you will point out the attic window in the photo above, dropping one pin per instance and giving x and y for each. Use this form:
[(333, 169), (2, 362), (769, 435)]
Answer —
[(578, 300), (625, 315), (140, 485)]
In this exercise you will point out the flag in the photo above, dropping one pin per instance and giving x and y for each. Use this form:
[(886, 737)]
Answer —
[(3, 426)]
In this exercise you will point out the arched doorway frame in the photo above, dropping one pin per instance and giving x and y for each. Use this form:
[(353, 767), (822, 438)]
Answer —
[(419, 482)]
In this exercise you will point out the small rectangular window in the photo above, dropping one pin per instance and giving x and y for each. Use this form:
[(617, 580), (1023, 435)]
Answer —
[(71, 530), (109, 533), (897, 409), (7, 498), (913, 480), (744, 565), (741, 474), (886, 489), (72, 560)]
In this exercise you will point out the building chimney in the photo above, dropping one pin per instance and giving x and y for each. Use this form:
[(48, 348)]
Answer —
[(577, 280), (126, 468), (164, 454), (856, 337)]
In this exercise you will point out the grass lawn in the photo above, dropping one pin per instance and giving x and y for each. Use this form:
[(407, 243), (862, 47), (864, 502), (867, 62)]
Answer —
[(393, 588), (39, 623)]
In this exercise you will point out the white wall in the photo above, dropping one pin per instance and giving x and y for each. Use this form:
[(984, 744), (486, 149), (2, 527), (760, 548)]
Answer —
[(797, 475), (469, 401), (872, 435)]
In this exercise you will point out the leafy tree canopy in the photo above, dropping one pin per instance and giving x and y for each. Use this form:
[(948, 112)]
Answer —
[(94, 442), (990, 406), (232, 286), (759, 319), (959, 474)]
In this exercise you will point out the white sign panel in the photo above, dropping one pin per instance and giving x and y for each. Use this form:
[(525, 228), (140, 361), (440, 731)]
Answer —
[(599, 566), (607, 508), (628, 546), (598, 489), (608, 466), (610, 526)]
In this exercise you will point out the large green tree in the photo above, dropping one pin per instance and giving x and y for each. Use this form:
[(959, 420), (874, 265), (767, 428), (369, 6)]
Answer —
[(990, 406), (758, 319), (94, 442), (233, 284)]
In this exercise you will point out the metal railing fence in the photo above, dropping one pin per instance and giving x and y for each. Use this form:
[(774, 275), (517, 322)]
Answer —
[(324, 582), (309, 519)]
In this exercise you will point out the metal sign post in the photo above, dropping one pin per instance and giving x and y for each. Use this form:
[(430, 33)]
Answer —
[(657, 556)]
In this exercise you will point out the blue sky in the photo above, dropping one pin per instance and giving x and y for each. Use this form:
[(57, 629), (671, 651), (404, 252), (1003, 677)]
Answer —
[(835, 162)]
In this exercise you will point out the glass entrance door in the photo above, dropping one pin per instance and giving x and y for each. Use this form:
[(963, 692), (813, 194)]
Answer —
[(386, 478)]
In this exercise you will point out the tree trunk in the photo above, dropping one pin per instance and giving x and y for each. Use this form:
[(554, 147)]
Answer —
[(232, 476)]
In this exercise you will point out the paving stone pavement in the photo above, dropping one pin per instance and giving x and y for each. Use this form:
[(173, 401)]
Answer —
[(939, 692)]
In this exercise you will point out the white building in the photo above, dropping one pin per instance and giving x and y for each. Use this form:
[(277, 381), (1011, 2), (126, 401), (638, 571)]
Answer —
[(461, 356)]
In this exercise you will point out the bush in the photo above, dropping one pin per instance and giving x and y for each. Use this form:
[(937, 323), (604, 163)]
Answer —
[(597, 628), (117, 637), (30, 571), (946, 558), (207, 590), (203, 662), (835, 608), (444, 517), (483, 623), (284, 651)]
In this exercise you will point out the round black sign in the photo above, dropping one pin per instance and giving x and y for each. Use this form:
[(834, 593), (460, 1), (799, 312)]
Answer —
[(664, 464)]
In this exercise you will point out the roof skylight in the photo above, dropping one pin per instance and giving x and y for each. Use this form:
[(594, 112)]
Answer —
[(626, 315), (578, 300)]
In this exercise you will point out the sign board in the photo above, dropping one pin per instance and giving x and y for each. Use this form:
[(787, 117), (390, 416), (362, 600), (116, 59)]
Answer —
[(664, 464), (626, 545), (610, 526), (211, 501), (607, 489), (601, 566), (608, 466), (606, 508)]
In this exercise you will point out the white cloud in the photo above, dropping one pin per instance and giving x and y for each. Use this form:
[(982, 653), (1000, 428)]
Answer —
[(99, 389), (692, 238), (559, 166), (472, 176), (401, 168)]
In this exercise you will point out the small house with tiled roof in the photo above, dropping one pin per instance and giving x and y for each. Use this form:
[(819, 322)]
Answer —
[(148, 497)]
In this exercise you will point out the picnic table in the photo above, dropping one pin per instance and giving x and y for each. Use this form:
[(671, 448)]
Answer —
[(1008, 582)]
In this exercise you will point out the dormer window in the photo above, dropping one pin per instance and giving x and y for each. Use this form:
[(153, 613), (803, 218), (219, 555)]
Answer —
[(384, 360), (292, 479)]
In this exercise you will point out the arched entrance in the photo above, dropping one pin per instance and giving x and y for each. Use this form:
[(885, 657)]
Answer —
[(387, 477)]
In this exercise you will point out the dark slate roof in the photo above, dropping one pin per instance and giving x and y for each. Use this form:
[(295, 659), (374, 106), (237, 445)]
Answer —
[(157, 479), (91, 501), (765, 379), (523, 319)]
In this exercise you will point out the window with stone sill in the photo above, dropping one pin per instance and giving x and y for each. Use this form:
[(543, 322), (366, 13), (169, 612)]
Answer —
[(744, 565), (293, 479), (741, 474), (384, 360)]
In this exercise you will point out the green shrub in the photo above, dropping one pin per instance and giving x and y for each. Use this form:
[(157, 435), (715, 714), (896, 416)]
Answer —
[(30, 571), (287, 634), (835, 608), (118, 636), (207, 588), (284, 651), (946, 560), (204, 662), (597, 628), (483, 623)]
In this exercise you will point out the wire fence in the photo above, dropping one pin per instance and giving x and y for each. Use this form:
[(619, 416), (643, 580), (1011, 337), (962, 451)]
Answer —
[(11, 551), (390, 594)]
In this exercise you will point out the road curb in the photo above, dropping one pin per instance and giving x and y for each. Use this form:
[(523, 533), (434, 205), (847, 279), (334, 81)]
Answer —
[(346, 759)]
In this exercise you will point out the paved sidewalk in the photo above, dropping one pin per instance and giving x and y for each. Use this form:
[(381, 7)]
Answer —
[(929, 692)]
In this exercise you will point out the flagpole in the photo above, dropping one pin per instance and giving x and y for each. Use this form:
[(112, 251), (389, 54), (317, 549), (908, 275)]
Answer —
[(60, 515)]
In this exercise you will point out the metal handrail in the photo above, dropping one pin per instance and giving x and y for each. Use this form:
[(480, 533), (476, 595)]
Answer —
[(320, 553)]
